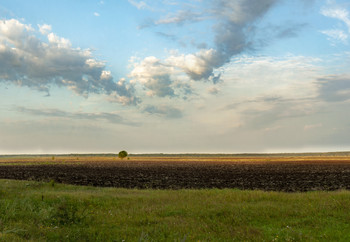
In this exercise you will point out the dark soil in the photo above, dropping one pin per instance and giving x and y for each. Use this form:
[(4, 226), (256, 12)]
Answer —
[(274, 176)]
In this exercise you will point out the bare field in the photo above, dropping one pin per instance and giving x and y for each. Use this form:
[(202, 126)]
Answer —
[(288, 174)]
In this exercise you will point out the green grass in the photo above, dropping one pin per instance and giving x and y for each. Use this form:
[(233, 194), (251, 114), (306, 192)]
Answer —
[(39, 211)]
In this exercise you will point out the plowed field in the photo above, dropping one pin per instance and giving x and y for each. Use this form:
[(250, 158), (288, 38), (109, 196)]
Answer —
[(288, 174)]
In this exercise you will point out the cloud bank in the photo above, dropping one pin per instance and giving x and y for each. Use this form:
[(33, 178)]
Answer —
[(164, 110), (233, 29), (57, 113), (27, 60)]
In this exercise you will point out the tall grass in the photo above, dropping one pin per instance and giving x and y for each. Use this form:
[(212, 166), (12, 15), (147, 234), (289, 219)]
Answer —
[(40, 211)]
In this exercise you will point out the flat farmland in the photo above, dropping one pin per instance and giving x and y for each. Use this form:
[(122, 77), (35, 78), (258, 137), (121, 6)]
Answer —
[(288, 174)]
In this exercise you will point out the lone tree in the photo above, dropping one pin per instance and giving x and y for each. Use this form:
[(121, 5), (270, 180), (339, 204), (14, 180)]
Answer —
[(122, 154)]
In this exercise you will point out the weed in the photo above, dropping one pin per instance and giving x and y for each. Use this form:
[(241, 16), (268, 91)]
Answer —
[(77, 213), (65, 213)]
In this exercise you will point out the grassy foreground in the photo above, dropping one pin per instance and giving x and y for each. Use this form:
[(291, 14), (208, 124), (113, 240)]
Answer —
[(56, 212)]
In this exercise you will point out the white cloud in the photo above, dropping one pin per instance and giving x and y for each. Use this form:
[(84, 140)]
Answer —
[(139, 4), (339, 13), (26, 60), (45, 29), (336, 35), (58, 41), (180, 17), (155, 76), (197, 66), (231, 37), (163, 77), (96, 14)]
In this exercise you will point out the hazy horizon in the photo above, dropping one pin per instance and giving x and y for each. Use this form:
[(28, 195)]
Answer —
[(171, 76)]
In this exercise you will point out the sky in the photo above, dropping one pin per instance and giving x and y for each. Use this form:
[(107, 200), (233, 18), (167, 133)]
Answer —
[(171, 76)]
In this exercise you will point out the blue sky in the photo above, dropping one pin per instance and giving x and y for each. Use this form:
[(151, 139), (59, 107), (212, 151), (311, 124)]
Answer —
[(174, 76)]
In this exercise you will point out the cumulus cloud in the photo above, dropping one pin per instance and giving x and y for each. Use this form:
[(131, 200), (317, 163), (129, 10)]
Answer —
[(162, 77), (232, 36), (154, 75), (45, 29), (26, 60), (164, 110), (197, 66)]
